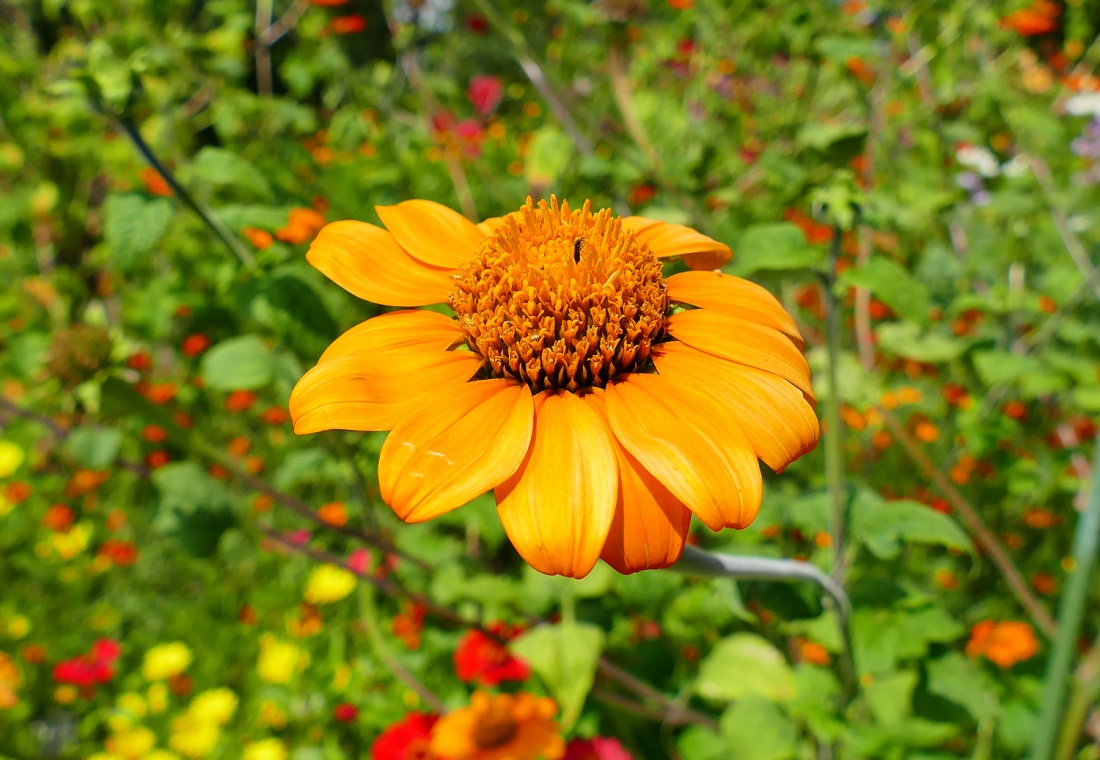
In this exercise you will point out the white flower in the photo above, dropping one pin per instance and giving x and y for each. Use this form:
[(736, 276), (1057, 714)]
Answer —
[(1017, 166), (1084, 104), (980, 159)]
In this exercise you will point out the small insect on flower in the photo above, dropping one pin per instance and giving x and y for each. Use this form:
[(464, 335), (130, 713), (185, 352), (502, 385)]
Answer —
[(578, 249)]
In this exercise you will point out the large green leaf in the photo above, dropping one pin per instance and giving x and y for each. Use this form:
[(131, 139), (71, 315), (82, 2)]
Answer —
[(745, 665), (885, 526), (242, 363), (756, 729), (132, 225), (94, 448), (224, 168), (960, 680), (776, 246), (565, 657), (892, 284), (906, 339)]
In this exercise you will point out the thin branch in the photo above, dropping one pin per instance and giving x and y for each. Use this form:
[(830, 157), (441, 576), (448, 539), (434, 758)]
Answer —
[(665, 718), (977, 528), (286, 22), (262, 53)]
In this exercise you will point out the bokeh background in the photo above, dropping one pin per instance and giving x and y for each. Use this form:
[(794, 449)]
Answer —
[(180, 574)]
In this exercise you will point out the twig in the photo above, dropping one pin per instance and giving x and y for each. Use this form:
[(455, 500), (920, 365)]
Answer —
[(523, 55), (454, 166), (977, 528), (286, 22), (666, 718), (620, 86), (262, 53), (232, 242), (1074, 247)]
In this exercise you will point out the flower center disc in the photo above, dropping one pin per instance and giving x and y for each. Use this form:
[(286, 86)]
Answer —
[(493, 728), (561, 299)]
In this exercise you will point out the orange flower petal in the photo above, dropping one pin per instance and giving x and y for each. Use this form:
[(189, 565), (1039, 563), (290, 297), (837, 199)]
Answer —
[(396, 331), (431, 232), (650, 524), (558, 506), (367, 262), (666, 240), (690, 443), (774, 415), (490, 225), (743, 342), (734, 296), (374, 391), (464, 441)]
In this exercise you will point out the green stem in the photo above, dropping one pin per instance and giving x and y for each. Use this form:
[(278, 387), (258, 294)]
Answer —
[(1070, 611), (700, 563), (232, 242), (1086, 688), (834, 434)]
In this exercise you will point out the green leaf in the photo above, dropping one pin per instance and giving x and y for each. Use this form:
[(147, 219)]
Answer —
[(756, 729), (548, 156), (94, 448), (960, 680), (132, 225), (996, 367), (565, 657), (905, 339), (884, 526), (745, 665), (892, 284), (777, 246), (224, 168), (700, 743), (890, 697), (194, 507), (243, 363)]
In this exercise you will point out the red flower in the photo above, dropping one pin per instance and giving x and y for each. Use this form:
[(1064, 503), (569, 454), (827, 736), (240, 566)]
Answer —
[(352, 24), (408, 739), (597, 748), (485, 93), (408, 624), (193, 345), (486, 662), (121, 553), (345, 712), (94, 667)]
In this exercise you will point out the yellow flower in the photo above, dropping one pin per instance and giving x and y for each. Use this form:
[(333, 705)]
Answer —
[(132, 703), (166, 660), (500, 727), (265, 749), (68, 545), (65, 694), (11, 457), (214, 706), (19, 626), (192, 737), (158, 698), (162, 754), (279, 660), (573, 373), (132, 743), (329, 583)]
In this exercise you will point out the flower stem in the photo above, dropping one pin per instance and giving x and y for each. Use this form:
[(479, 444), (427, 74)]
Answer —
[(834, 434), (700, 563), (214, 223), (1070, 611)]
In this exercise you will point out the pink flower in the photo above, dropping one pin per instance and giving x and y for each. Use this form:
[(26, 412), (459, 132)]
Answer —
[(596, 748), (359, 561), (485, 94)]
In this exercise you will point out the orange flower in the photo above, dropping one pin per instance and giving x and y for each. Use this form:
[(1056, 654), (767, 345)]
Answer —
[(1005, 643), (334, 513), (302, 224), (154, 183), (561, 317), (350, 24), (500, 727), (260, 239), (1040, 18), (239, 401)]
